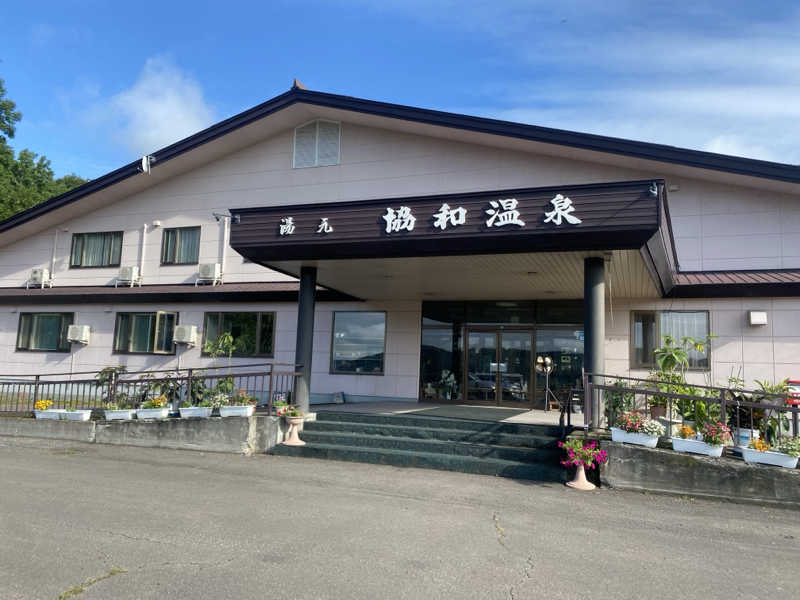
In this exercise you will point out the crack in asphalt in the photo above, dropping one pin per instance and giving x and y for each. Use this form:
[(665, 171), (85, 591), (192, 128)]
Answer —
[(499, 530), (527, 568), (76, 590)]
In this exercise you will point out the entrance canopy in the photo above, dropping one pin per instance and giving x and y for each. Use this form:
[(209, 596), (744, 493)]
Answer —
[(521, 243)]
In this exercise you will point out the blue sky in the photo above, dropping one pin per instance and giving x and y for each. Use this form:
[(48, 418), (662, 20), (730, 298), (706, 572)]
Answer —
[(101, 83)]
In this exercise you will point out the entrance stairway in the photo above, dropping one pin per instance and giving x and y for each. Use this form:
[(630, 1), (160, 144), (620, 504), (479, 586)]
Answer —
[(516, 450)]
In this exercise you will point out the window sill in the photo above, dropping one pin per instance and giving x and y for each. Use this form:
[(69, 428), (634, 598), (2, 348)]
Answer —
[(42, 351), (77, 267)]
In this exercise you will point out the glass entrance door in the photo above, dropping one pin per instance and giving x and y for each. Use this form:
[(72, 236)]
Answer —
[(499, 366)]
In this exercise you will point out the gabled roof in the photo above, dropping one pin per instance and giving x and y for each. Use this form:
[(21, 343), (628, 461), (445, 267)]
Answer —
[(297, 94)]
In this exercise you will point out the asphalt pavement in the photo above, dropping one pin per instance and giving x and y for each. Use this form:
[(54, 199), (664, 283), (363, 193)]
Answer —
[(102, 522)]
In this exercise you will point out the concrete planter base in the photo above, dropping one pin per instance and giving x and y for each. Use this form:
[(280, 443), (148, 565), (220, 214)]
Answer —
[(777, 459), (640, 439), (78, 415), (696, 447)]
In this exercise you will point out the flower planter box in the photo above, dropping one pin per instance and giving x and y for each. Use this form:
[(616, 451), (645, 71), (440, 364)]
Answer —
[(78, 415), (50, 413), (696, 447), (202, 412), (236, 411), (777, 459), (122, 414), (640, 439), (152, 413)]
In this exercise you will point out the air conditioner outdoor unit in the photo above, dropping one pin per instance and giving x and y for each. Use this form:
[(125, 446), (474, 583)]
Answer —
[(128, 273), (185, 334), (78, 334), (40, 276), (210, 270)]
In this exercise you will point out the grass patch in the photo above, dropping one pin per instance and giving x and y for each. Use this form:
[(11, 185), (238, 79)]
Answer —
[(77, 590)]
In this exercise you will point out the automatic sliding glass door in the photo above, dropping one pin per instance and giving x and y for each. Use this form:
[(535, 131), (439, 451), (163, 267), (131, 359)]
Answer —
[(499, 366)]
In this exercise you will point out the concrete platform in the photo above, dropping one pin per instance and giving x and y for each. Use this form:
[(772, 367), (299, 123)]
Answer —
[(454, 411)]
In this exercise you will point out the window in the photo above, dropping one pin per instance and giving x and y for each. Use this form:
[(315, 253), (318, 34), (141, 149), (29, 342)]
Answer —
[(316, 144), (96, 249), (180, 246), (145, 333), (46, 332), (253, 332), (358, 342), (648, 329)]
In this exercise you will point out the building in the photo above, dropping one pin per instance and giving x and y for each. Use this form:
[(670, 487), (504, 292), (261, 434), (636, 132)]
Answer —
[(438, 255)]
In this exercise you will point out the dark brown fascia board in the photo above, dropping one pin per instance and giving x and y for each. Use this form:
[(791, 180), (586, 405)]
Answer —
[(109, 295), (735, 290), (643, 150)]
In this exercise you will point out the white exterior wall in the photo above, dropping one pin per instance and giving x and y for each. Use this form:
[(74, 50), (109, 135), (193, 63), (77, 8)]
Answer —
[(401, 362), (770, 352)]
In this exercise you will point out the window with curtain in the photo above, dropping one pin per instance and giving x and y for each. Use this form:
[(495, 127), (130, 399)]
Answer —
[(648, 329), (145, 333), (359, 342), (46, 332), (316, 144), (253, 332), (96, 249), (180, 246)]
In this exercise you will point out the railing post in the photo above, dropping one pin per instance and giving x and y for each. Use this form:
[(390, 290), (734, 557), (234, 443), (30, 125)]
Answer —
[(35, 389), (723, 417), (190, 387), (269, 396), (587, 402), (112, 387)]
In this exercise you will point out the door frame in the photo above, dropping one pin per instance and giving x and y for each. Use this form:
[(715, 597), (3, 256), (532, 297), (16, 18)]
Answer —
[(498, 331)]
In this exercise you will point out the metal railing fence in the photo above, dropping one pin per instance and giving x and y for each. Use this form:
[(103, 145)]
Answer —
[(266, 382), (674, 402)]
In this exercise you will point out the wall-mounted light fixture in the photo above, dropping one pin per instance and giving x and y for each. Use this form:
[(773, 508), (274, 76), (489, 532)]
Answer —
[(756, 318)]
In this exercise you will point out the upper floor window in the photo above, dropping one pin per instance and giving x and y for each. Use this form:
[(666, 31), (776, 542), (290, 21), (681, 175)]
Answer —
[(96, 249), (648, 329), (180, 246), (44, 331), (359, 342), (145, 333), (253, 332), (316, 144)]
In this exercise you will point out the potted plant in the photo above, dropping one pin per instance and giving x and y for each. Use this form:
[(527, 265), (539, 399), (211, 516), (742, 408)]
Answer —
[(74, 414), (118, 410), (634, 428), (294, 417), (154, 408), (582, 456), (200, 410), (710, 442), (279, 406), (785, 455), (241, 404), (42, 410)]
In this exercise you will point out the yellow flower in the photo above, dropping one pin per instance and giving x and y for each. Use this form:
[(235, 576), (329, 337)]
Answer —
[(760, 445), (42, 404), (684, 431)]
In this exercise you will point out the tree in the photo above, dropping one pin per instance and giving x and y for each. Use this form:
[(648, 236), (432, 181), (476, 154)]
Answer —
[(25, 179)]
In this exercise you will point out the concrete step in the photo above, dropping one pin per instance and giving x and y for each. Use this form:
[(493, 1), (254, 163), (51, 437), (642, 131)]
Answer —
[(456, 448), (426, 460), (442, 423), (428, 431)]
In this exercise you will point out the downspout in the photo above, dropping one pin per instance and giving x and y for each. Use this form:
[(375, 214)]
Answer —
[(141, 251), (53, 255), (225, 233)]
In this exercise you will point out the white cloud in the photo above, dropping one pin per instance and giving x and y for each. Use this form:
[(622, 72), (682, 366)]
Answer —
[(163, 106), (705, 75)]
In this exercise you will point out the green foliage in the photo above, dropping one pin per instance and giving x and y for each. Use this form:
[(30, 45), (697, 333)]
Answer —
[(618, 401), (25, 179), (674, 356)]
